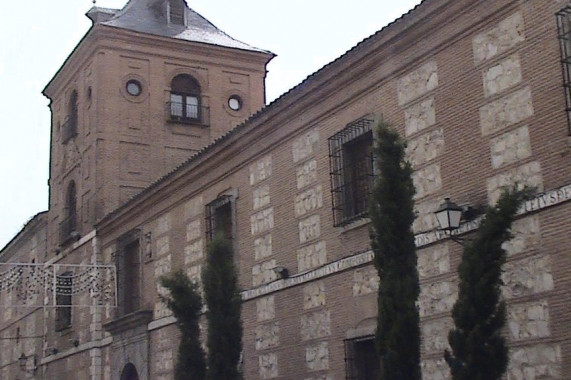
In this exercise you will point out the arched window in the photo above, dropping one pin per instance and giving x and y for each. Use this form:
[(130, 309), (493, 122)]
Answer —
[(70, 126), (71, 204), (185, 99), (68, 226), (129, 372)]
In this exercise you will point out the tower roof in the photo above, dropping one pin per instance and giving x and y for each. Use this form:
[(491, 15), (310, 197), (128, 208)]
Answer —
[(151, 17)]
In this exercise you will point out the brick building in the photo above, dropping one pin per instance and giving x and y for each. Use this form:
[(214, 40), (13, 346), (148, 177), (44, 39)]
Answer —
[(159, 127)]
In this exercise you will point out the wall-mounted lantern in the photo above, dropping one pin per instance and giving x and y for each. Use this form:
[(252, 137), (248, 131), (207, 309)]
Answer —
[(23, 363), (282, 272), (449, 215)]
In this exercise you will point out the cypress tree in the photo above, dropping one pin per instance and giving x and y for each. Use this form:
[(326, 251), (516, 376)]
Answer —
[(479, 351), (186, 304), (392, 240), (224, 340)]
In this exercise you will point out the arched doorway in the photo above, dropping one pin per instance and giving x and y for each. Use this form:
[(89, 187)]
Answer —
[(129, 372)]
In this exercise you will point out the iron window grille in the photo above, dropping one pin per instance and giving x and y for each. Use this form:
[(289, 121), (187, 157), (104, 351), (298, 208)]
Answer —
[(564, 34), (184, 105), (361, 360), (219, 217), (351, 163), (185, 111), (64, 290)]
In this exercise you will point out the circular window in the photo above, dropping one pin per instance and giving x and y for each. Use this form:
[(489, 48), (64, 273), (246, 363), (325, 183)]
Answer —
[(235, 103), (134, 87)]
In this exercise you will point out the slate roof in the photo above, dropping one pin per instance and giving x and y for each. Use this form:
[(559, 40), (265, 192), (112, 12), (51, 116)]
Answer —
[(149, 16)]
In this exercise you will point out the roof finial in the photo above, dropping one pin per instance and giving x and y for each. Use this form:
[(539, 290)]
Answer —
[(94, 1)]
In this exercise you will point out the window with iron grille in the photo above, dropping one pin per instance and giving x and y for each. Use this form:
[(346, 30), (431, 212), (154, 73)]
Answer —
[(64, 289), (219, 217), (128, 265), (185, 102), (351, 171), (564, 33), (361, 360)]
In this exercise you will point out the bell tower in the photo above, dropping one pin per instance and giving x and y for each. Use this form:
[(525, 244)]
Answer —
[(146, 88)]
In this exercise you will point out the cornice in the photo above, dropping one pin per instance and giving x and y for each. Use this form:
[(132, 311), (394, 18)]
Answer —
[(31, 227), (175, 44), (540, 202), (106, 37)]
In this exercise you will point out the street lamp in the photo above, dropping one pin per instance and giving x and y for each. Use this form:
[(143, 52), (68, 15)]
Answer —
[(282, 272), (449, 215), (22, 361)]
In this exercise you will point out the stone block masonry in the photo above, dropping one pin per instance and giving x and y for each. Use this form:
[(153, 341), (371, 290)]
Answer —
[(417, 83), (508, 33), (426, 147), (427, 181), (306, 174), (195, 242), (267, 336), (510, 147), (502, 76), (506, 111), (265, 308), (314, 295), (305, 146), (317, 356), (419, 116), (162, 267), (261, 170), (527, 276), (268, 364), (435, 335), (315, 323), (365, 281), (528, 174), (263, 247), (529, 320), (267, 330)]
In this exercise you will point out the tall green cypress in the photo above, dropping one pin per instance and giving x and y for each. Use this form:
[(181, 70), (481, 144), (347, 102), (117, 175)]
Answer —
[(224, 341), (392, 241), (479, 351), (186, 304)]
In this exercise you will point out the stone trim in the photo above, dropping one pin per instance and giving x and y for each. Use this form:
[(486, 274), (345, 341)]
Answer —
[(83, 347), (129, 321), (160, 323), (83, 240), (326, 270), (539, 202)]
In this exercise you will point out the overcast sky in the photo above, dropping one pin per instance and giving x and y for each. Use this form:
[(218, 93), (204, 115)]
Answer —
[(37, 35)]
